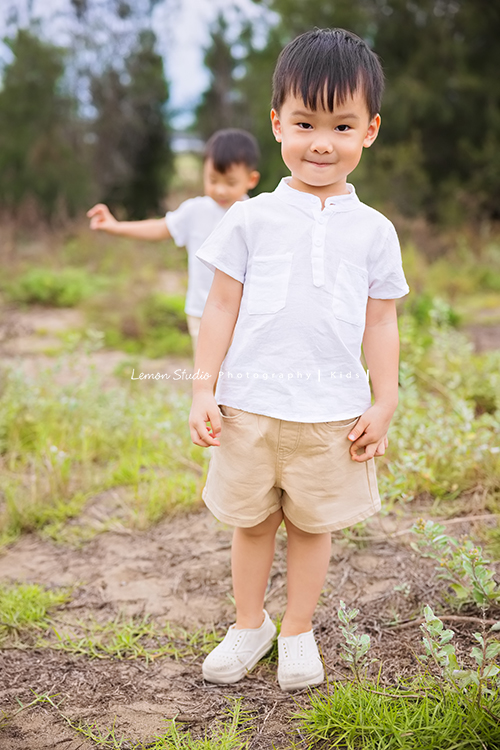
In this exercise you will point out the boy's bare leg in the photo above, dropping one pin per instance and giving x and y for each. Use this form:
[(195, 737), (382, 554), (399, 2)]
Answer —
[(252, 557), (308, 557)]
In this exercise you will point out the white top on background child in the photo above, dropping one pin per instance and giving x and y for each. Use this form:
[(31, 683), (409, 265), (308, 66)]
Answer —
[(307, 274), (229, 171)]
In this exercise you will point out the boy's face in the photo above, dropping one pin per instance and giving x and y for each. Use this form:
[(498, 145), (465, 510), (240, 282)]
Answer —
[(228, 187), (321, 148)]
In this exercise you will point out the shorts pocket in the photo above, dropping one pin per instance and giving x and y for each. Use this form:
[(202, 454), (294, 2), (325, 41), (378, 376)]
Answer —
[(341, 423), (229, 413), (350, 294), (268, 283)]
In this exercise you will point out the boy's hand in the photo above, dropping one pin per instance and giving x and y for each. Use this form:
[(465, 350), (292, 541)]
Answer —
[(370, 433), (101, 218), (204, 409)]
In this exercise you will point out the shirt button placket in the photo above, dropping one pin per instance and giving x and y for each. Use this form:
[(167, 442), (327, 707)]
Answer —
[(318, 251)]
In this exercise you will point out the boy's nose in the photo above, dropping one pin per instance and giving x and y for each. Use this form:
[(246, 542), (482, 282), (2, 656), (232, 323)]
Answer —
[(322, 147)]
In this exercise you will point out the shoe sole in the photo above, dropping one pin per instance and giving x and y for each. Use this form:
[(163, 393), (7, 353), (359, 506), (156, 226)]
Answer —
[(312, 681), (230, 677)]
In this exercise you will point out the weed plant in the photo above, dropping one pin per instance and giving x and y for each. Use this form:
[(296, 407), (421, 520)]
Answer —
[(460, 563)]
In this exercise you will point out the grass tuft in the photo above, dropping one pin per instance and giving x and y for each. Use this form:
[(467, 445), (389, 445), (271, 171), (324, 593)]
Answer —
[(355, 716), (24, 606)]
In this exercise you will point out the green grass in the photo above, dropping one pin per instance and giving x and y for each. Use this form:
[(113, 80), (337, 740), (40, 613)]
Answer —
[(26, 606), (129, 638), (424, 715), (61, 445)]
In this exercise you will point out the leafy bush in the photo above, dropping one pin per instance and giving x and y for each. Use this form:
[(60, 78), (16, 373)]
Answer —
[(461, 564), (66, 287), (155, 326)]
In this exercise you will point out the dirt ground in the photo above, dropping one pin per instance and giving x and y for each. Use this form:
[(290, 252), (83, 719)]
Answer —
[(179, 572)]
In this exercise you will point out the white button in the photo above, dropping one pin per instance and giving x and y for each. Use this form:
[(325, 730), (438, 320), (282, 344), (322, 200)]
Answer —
[(321, 219), (318, 242)]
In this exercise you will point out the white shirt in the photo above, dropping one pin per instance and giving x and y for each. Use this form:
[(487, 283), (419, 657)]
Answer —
[(307, 275), (190, 225)]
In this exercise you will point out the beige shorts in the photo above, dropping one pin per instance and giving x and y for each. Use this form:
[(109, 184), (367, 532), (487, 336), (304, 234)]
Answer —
[(264, 464)]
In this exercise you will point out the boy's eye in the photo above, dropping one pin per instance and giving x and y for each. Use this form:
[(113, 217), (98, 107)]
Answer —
[(343, 128), (304, 125)]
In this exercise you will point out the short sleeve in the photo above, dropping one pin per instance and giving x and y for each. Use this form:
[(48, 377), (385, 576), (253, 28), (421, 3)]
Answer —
[(226, 248), (386, 275), (179, 222)]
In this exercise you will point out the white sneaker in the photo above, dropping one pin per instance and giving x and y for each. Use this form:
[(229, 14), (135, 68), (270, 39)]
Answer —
[(239, 652), (299, 663)]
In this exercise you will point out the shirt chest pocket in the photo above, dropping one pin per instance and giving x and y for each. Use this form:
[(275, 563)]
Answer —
[(350, 294), (268, 283)]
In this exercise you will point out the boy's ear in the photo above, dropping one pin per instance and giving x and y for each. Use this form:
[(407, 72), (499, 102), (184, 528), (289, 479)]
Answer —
[(276, 125), (253, 179), (372, 131)]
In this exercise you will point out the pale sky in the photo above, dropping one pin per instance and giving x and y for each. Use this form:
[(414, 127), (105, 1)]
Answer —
[(182, 28)]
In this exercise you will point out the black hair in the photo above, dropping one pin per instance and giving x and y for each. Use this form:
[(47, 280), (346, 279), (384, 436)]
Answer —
[(325, 66), (232, 146)]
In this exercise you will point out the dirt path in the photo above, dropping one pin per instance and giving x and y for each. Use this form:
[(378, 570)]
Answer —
[(179, 572)]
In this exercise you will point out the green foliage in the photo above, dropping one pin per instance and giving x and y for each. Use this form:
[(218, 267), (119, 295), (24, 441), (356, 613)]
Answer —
[(441, 376), (422, 713), (42, 155), (355, 647), (461, 564), (484, 679), (440, 61), (133, 160), (25, 606), (354, 716), (222, 105), (155, 326), (66, 287)]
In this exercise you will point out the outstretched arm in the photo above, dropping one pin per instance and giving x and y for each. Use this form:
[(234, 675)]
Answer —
[(217, 325), (381, 350), (103, 220)]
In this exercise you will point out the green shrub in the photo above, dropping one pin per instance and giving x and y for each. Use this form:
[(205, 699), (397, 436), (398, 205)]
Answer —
[(66, 287)]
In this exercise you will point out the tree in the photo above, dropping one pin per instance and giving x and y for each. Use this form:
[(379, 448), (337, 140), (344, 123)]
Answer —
[(41, 140), (438, 151), (222, 105), (133, 159)]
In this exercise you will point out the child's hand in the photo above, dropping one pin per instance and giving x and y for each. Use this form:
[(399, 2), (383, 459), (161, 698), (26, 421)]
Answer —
[(204, 409), (101, 217), (370, 433)]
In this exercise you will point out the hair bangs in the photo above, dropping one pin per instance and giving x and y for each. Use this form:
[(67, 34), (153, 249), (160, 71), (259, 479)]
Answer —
[(326, 66)]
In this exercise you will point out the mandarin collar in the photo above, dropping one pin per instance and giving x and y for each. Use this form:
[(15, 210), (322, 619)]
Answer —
[(308, 201)]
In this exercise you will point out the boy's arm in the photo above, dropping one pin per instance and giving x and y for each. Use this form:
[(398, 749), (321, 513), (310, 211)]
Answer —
[(381, 350), (102, 219), (217, 325)]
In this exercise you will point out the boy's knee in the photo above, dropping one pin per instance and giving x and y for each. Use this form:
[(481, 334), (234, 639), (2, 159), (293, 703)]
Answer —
[(270, 525)]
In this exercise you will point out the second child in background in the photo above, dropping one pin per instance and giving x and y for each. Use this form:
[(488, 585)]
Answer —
[(229, 172)]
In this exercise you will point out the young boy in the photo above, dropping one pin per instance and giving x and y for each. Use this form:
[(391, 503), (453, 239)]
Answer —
[(304, 275), (229, 171)]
